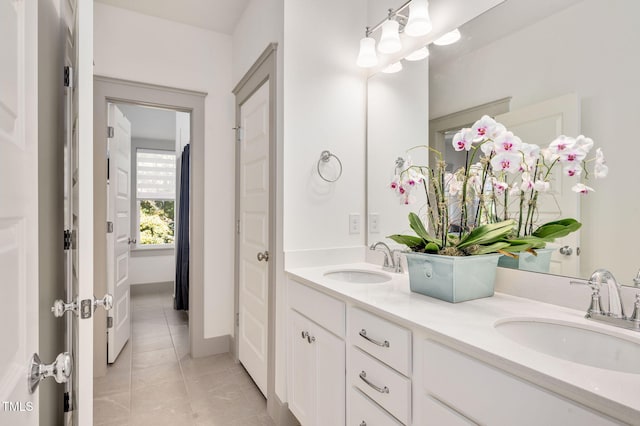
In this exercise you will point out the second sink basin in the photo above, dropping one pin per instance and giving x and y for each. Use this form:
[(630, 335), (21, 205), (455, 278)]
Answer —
[(574, 343), (358, 276)]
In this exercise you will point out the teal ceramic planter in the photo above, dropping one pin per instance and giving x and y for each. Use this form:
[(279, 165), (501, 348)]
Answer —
[(452, 278), (529, 262)]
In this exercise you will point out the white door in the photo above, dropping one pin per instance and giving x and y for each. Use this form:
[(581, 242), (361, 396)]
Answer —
[(118, 240), (254, 236), (18, 209), (540, 124), (78, 17)]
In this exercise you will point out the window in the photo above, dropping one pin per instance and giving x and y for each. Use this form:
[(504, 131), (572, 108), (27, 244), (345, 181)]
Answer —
[(156, 195)]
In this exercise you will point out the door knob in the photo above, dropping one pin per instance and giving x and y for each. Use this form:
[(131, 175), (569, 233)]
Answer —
[(263, 256), (566, 250), (106, 302), (60, 307), (60, 370)]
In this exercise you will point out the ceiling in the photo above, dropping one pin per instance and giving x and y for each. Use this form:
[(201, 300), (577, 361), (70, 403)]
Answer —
[(150, 123), (215, 15)]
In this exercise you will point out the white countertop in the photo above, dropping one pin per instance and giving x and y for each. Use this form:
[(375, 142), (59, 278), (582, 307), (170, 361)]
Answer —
[(469, 327)]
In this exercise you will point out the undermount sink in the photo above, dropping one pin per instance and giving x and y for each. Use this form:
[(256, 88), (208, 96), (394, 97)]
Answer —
[(574, 343), (358, 276)]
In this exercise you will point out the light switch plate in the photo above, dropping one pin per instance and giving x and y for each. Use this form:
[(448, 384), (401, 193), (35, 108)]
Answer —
[(354, 223), (374, 223)]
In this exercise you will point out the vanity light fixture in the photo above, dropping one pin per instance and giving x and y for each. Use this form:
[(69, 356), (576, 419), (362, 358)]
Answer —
[(417, 24), (418, 55), (393, 68), (390, 38), (449, 38), (367, 57)]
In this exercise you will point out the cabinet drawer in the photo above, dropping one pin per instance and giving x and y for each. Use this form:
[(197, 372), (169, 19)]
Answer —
[(474, 389), (436, 413), (385, 340), (384, 385), (364, 412), (324, 310)]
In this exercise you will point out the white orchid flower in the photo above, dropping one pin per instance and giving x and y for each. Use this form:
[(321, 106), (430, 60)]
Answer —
[(507, 161), (572, 169), (549, 155), (600, 170), (542, 186), (514, 190), (499, 187), (486, 128), (561, 144), (507, 142), (463, 140), (582, 188), (584, 143)]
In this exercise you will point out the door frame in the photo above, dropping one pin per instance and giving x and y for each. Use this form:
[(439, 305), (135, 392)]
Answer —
[(263, 71), (107, 89)]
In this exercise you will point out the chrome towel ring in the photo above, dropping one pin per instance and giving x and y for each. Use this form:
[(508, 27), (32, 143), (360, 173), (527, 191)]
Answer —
[(325, 157)]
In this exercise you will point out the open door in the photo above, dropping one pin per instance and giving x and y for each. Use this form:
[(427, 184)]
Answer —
[(540, 124), (18, 209), (78, 17), (119, 230)]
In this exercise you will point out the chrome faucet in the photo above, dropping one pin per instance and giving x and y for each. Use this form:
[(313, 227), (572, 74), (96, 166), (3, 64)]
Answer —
[(615, 314), (391, 257)]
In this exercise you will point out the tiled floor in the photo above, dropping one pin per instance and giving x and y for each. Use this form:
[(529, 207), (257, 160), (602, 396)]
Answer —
[(156, 382)]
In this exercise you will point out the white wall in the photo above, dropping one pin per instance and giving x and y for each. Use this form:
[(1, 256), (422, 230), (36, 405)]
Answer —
[(590, 49), (324, 109), (142, 48), (146, 267)]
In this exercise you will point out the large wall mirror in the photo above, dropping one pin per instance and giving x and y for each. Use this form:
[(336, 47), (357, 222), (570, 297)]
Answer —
[(528, 53)]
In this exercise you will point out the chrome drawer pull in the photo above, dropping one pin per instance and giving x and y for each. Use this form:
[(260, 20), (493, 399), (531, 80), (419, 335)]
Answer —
[(363, 333), (363, 376)]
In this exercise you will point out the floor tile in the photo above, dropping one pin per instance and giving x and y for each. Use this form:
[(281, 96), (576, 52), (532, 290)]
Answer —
[(155, 381)]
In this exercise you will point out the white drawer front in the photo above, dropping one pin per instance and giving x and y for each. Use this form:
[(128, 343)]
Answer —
[(436, 413), (385, 340), (384, 385), (475, 390), (364, 412), (324, 310)]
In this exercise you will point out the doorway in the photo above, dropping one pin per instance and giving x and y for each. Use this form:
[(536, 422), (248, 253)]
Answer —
[(127, 94)]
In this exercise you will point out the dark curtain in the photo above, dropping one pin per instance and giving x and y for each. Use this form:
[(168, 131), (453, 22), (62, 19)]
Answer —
[(182, 255)]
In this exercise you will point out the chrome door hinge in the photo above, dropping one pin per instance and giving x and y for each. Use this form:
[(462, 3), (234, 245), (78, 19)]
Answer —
[(68, 77), (109, 227), (109, 322), (238, 133), (67, 404), (238, 319), (68, 239), (110, 131), (238, 227)]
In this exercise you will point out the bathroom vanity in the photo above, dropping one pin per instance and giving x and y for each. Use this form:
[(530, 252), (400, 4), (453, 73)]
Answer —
[(365, 352)]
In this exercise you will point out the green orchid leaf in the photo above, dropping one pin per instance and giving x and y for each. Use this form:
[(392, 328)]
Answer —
[(414, 243), (492, 248), (487, 234), (418, 227), (557, 229)]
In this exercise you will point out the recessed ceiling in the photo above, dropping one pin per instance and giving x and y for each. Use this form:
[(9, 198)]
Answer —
[(215, 15)]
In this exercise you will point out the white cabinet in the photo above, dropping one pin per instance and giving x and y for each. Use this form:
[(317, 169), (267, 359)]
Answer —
[(471, 391), (316, 365)]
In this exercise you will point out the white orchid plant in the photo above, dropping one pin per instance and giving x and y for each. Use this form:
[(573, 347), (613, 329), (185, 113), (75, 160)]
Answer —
[(490, 204)]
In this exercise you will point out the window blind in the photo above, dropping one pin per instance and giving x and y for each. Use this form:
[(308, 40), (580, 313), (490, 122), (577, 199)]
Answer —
[(155, 175)]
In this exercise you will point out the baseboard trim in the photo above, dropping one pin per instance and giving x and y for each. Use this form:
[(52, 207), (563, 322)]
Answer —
[(212, 346), (147, 288), (280, 413)]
